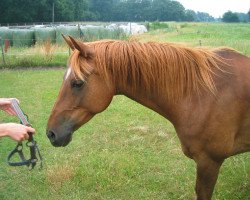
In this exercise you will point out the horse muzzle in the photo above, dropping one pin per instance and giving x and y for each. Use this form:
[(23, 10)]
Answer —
[(61, 139)]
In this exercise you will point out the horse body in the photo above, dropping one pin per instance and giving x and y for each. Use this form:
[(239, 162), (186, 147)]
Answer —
[(222, 118), (210, 128), (208, 103)]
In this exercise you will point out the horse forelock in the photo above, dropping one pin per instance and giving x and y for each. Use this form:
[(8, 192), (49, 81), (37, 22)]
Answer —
[(152, 66), (79, 66)]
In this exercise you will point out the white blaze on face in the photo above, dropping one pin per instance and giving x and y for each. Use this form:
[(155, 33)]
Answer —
[(68, 72)]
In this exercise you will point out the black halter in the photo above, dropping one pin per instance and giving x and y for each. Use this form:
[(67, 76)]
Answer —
[(31, 162)]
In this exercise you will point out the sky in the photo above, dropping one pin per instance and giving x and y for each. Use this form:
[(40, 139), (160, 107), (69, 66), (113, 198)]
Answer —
[(216, 8)]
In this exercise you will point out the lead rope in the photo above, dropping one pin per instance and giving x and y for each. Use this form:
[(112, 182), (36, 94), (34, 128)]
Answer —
[(32, 144)]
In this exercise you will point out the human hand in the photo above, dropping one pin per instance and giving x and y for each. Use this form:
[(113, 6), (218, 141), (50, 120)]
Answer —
[(5, 105), (17, 132)]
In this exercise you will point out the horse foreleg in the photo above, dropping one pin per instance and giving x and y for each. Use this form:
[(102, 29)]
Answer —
[(207, 174)]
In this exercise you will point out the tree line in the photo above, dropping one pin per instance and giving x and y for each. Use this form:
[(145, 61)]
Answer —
[(236, 17), (30, 11)]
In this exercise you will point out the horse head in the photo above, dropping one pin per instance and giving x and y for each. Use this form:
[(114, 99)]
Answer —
[(82, 95)]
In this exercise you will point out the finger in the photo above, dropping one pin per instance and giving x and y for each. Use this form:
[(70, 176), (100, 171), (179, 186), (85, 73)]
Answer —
[(26, 136), (30, 130), (13, 111), (22, 138), (17, 100), (10, 111)]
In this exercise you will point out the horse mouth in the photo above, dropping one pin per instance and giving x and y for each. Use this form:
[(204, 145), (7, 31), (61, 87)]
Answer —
[(63, 140)]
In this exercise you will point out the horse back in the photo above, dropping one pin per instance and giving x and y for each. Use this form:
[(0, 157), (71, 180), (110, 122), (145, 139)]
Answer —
[(236, 72)]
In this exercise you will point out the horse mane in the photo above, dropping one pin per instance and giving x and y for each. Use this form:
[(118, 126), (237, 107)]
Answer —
[(153, 67)]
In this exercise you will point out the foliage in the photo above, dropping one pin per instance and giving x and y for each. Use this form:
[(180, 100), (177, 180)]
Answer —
[(230, 17), (165, 10), (18, 11), (243, 17), (12, 11), (157, 25), (203, 17), (190, 16)]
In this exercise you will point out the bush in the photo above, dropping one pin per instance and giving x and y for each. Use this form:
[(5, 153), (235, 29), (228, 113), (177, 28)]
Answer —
[(157, 25)]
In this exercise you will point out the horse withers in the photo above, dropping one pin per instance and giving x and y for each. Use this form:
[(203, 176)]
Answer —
[(204, 93)]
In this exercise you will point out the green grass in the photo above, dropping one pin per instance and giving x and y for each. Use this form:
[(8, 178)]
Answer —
[(157, 25), (236, 36), (126, 152), (36, 56)]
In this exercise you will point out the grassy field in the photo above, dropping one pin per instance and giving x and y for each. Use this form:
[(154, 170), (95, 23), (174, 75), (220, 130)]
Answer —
[(35, 56), (127, 152), (210, 35)]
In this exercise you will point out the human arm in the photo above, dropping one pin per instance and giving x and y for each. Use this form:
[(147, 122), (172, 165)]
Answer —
[(17, 132)]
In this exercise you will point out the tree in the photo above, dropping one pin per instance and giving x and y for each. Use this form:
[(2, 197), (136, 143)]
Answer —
[(133, 10), (102, 9), (243, 17), (204, 17), (177, 11), (230, 17), (81, 10), (3, 9), (190, 16), (13, 11), (16, 11), (64, 10), (166, 10)]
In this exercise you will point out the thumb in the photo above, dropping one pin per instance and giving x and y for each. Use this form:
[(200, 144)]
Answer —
[(16, 100)]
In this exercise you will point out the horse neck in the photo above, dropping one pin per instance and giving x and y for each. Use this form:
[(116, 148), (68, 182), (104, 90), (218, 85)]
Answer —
[(155, 80), (156, 102)]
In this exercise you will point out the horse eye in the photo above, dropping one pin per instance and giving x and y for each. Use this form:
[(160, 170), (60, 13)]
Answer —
[(77, 83)]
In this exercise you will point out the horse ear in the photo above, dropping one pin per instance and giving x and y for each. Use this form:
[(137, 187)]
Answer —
[(68, 41), (86, 51)]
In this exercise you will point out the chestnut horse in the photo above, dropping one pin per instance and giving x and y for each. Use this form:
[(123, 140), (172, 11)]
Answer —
[(204, 93)]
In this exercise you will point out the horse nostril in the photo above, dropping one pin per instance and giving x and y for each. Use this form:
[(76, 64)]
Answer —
[(51, 135)]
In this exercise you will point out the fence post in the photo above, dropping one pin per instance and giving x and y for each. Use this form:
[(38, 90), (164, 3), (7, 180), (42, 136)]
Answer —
[(2, 50), (200, 43)]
